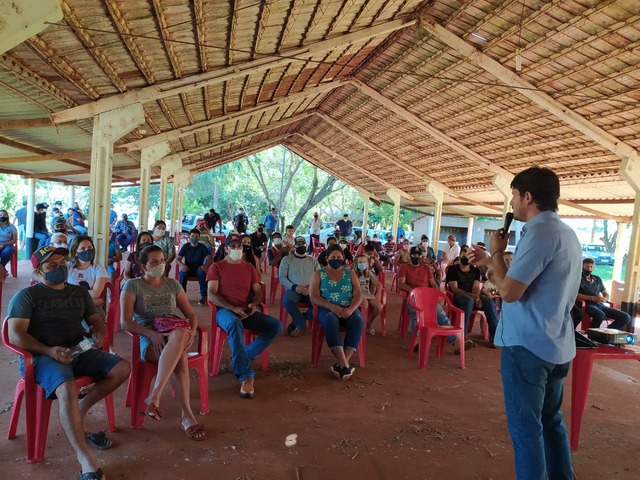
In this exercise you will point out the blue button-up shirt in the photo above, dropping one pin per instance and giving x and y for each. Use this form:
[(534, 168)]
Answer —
[(548, 260)]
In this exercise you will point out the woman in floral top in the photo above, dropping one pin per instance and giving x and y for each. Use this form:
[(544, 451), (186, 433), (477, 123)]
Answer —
[(336, 292)]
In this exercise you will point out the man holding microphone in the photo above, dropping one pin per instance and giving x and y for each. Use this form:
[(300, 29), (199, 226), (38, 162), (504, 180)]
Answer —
[(536, 331)]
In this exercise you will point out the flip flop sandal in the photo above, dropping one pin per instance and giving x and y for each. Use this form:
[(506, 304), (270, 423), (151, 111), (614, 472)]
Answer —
[(193, 432), (152, 412), (97, 475), (98, 441)]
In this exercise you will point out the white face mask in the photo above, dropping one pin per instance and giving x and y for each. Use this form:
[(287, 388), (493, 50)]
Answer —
[(157, 271), (235, 254), (159, 232), (60, 245), (425, 244), (277, 241)]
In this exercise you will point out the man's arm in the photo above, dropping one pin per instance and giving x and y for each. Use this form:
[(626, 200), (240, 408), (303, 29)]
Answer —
[(221, 302), (282, 274), (453, 286), (18, 336)]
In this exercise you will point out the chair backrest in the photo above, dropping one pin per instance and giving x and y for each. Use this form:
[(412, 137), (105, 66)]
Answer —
[(10, 346), (113, 312), (425, 301)]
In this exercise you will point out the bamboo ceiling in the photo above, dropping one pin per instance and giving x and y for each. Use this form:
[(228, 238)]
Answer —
[(384, 94)]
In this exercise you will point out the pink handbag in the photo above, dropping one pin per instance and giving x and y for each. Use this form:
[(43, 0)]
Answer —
[(169, 323)]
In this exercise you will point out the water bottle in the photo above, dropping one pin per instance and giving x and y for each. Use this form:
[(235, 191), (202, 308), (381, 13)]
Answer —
[(83, 346)]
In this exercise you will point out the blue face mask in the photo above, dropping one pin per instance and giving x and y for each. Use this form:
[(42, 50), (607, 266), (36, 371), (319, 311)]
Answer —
[(57, 276), (87, 255), (194, 241), (335, 263), (362, 266)]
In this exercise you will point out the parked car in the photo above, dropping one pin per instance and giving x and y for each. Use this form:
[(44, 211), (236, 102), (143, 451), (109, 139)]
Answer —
[(190, 221), (599, 253)]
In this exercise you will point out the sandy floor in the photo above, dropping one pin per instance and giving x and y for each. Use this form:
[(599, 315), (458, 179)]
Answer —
[(392, 421)]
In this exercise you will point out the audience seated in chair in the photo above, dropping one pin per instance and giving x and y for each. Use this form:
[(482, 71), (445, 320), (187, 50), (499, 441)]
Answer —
[(142, 300), (234, 287), (82, 270), (371, 290), (295, 274), (133, 268), (193, 261), (593, 293), (276, 252), (46, 320)]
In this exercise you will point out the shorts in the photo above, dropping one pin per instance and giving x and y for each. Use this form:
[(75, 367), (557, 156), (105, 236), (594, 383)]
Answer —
[(50, 373)]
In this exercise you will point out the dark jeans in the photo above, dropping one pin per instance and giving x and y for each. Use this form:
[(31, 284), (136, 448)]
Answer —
[(467, 304), (533, 396), (193, 272), (331, 324), (5, 255), (601, 312), (124, 240), (290, 301)]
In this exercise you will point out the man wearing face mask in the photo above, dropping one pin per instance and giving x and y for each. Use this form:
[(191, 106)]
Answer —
[(295, 275), (240, 221), (464, 282), (276, 252), (315, 226), (46, 320), (193, 261), (271, 220), (40, 230), (234, 287), (259, 241), (425, 248)]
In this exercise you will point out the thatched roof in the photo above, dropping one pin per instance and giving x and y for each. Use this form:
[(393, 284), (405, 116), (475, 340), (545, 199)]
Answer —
[(384, 94)]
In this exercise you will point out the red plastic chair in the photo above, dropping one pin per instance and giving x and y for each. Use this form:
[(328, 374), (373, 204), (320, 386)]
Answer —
[(403, 320), (112, 308), (425, 302), (475, 313), (142, 374), (586, 318), (283, 311), (218, 336), (318, 340), (273, 286), (13, 264), (38, 408), (316, 247)]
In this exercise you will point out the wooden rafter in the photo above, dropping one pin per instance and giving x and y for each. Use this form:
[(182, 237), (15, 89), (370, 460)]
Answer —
[(25, 123), (44, 156)]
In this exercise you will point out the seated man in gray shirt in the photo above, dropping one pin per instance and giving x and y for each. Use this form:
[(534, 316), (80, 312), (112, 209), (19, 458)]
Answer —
[(295, 275)]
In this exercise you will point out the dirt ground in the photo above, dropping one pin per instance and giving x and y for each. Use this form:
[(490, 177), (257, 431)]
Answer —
[(392, 421)]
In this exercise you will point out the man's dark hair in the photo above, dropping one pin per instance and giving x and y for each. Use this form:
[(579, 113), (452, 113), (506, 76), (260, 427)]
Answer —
[(369, 247), (542, 183), (159, 222), (194, 230), (143, 257), (213, 210), (289, 227), (590, 261)]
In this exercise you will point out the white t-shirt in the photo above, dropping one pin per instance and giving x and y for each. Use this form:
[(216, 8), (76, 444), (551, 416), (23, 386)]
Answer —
[(451, 253), (88, 275)]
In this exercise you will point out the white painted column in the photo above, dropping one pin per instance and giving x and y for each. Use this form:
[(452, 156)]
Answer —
[(72, 196), (174, 206), (630, 170), (21, 21), (29, 242), (168, 167), (182, 178), (504, 187), (107, 128), (148, 157), (436, 190), (365, 196), (618, 254), (394, 195), (470, 231)]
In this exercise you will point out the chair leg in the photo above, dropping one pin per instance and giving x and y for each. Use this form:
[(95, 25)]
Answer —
[(203, 385), (111, 417), (264, 356), (316, 345), (362, 348), (462, 352), (15, 410), (42, 424)]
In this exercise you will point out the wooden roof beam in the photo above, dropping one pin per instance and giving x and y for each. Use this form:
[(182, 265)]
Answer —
[(354, 166), (195, 82), (21, 20), (529, 90), (237, 138), (234, 155), (54, 156), (25, 123), (86, 171), (232, 117)]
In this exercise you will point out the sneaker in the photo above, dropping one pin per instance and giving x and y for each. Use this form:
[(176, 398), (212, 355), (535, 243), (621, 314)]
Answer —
[(336, 370), (468, 345), (202, 301), (297, 332), (246, 389), (290, 328), (347, 372)]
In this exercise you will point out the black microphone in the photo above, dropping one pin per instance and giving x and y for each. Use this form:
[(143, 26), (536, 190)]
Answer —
[(507, 223)]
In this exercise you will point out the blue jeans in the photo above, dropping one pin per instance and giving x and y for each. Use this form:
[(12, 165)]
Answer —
[(42, 239), (533, 397), (81, 229), (289, 301), (202, 279), (467, 304), (241, 356), (5, 255), (441, 317), (331, 324), (124, 240), (601, 312)]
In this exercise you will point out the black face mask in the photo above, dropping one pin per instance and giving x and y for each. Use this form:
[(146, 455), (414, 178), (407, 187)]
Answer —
[(301, 250), (260, 230), (4, 219), (464, 261), (415, 260), (585, 273), (315, 216), (87, 255), (246, 248), (335, 263)]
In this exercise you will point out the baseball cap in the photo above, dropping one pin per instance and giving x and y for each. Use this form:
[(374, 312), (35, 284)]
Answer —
[(233, 238), (41, 205), (42, 254), (415, 251), (300, 240)]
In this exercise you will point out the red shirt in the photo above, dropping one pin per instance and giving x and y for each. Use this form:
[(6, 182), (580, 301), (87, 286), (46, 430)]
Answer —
[(235, 281), (415, 276)]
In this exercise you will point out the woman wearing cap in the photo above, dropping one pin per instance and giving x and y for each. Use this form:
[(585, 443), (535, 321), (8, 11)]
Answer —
[(83, 272), (8, 238), (336, 292)]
